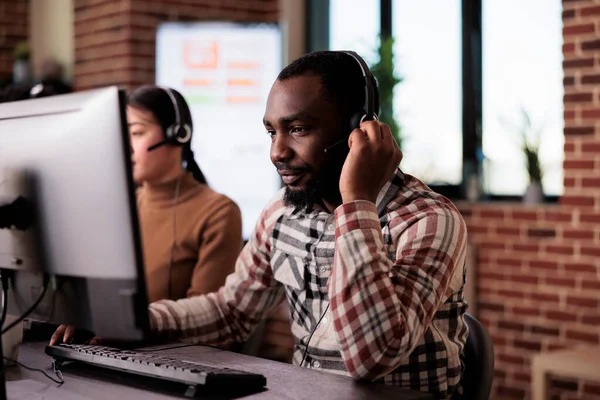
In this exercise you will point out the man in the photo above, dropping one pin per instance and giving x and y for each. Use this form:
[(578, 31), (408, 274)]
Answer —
[(370, 260)]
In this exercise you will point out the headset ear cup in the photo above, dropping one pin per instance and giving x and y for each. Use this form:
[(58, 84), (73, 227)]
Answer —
[(184, 134), (355, 120)]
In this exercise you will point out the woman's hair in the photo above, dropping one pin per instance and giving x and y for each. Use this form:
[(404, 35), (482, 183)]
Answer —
[(156, 101)]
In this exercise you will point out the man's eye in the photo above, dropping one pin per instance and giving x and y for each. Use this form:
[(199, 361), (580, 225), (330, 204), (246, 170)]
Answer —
[(298, 129)]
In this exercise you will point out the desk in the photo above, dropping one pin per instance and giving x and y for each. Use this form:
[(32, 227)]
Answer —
[(578, 363), (284, 381)]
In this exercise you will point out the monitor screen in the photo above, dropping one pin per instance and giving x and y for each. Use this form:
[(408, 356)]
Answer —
[(225, 72)]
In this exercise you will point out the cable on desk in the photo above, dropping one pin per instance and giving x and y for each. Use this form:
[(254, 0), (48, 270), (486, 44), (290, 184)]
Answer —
[(30, 309), (59, 381)]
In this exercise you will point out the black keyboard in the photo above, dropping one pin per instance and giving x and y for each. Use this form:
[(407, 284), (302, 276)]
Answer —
[(156, 365)]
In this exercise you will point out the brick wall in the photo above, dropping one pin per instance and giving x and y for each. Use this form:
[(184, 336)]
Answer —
[(539, 267), (13, 29), (115, 39)]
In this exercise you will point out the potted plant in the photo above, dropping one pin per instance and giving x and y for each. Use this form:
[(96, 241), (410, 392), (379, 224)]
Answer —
[(21, 67), (383, 71), (529, 141)]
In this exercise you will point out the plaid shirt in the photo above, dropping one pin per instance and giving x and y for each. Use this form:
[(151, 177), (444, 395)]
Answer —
[(387, 281)]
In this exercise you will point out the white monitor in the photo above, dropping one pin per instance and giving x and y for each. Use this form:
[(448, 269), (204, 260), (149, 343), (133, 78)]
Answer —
[(225, 72)]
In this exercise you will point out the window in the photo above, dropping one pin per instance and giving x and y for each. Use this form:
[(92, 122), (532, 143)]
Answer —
[(522, 74), (428, 101), (512, 66), (354, 25)]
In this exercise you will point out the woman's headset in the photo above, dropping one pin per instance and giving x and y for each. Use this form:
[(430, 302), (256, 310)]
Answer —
[(179, 133)]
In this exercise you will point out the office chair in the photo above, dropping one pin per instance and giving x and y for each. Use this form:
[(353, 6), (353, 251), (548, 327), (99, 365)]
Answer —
[(479, 362)]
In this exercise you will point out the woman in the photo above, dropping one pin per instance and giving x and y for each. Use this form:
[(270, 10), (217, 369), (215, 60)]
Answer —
[(191, 235)]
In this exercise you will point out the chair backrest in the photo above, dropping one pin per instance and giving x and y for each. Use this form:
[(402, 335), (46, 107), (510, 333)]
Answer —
[(479, 362)]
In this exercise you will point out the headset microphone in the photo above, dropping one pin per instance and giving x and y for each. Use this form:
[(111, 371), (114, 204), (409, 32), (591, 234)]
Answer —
[(157, 145)]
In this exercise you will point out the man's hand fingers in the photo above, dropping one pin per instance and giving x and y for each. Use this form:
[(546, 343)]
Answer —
[(69, 333), (373, 131), (357, 138), (57, 337)]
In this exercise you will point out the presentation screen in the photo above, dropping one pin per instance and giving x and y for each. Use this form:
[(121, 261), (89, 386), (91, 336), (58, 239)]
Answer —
[(225, 72)]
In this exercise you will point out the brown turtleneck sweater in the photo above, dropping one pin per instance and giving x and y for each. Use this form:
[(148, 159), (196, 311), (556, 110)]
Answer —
[(208, 238)]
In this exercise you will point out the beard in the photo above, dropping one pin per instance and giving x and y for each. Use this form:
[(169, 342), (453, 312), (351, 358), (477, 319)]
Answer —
[(324, 185)]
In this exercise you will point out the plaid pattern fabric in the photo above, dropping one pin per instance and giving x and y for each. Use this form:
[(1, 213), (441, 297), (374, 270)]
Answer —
[(388, 281)]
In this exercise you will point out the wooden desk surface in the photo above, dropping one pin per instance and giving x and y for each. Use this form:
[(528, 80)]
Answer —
[(284, 381)]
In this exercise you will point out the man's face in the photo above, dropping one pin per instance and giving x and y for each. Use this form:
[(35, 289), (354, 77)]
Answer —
[(302, 123)]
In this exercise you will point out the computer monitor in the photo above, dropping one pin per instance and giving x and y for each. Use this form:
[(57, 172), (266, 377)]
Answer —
[(69, 157)]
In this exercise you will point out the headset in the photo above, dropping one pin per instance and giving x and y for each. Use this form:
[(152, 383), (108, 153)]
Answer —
[(178, 134), (368, 112)]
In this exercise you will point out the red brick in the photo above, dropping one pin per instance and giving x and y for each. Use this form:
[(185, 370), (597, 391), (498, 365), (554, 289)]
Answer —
[(590, 284), (580, 267), (511, 359), (578, 63), (492, 214), (590, 147), (522, 376), (578, 29), (510, 262), (590, 79), (528, 344), (583, 336), (508, 231), (589, 387), (488, 306), (499, 374), (513, 294), (564, 384), (534, 280), (578, 164), (528, 248), (544, 265), (556, 346), (587, 11), (478, 229), (545, 297), (591, 319), (571, 183), (568, 80), (564, 250), (526, 311), (555, 216), (491, 275), (510, 392), (543, 330), (561, 316), (511, 326), (525, 215), (579, 301), (590, 251), (567, 115), (590, 182), (567, 200), (590, 45), (568, 14), (568, 48), (578, 234), (566, 282), (492, 246), (579, 130)]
